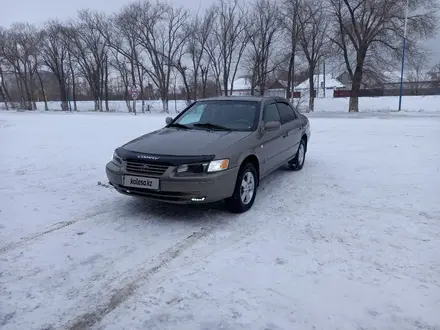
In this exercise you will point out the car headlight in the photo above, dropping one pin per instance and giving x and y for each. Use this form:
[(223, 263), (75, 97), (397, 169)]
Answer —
[(116, 159), (218, 165), (199, 168), (188, 169)]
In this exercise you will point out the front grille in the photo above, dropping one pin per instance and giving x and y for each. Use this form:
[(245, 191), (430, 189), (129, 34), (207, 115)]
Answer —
[(145, 168)]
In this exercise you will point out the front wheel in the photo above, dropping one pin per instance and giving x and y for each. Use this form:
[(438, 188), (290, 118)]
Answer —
[(245, 190), (297, 163)]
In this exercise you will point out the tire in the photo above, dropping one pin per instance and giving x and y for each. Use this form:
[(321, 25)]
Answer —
[(297, 163), (237, 203)]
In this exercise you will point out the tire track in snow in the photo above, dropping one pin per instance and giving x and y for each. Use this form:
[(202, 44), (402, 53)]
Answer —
[(60, 225), (120, 295)]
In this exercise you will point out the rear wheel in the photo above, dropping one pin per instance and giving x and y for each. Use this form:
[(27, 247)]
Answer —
[(245, 190), (297, 163)]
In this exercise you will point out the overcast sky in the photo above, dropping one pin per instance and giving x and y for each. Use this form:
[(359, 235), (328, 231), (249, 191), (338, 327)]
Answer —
[(39, 11)]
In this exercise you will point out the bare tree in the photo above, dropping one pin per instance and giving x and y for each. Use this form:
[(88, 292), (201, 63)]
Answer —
[(127, 59), (89, 48), (200, 60), (199, 30), (18, 51), (434, 75), (159, 30), (264, 25), (74, 68), (124, 69), (313, 39), (55, 55), (373, 30), (228, 42), (4, 92), (417, 70)]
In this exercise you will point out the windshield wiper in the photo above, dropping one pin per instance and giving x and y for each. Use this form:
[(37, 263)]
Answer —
[(213, 126), (178, 125)]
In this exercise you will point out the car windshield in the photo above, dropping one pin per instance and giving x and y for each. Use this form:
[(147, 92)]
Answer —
[(233, 115)]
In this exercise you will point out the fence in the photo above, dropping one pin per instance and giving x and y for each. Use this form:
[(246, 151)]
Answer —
[(296, 95), (378, 92)]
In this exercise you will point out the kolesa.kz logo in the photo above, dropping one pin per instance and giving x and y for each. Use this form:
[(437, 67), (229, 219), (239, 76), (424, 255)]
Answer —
[(138, 182)]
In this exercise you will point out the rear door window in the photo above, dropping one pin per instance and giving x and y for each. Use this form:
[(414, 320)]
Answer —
[(271, 113), (286, 112)]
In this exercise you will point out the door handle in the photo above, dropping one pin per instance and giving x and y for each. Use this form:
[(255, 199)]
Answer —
[(285, 135)]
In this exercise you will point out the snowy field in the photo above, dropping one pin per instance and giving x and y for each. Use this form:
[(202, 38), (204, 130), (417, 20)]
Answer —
[(350, 242), (366, 104)]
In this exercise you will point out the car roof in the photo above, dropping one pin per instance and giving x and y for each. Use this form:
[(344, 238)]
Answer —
[(244, 98)]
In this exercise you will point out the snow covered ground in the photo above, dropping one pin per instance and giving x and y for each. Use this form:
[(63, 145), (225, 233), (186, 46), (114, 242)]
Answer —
[(350, 242), (118, 106), (366, 104)]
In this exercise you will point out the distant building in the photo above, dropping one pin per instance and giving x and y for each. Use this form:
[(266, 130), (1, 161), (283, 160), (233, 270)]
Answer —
[(279, 88), (345, 79), (242, 87), (324, 85)]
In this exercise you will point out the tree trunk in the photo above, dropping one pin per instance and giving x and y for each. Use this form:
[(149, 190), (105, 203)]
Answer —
[(64, 94), (355, 88), (312, 89), (290, 75), (140, 74), (106, 92), (101, 86), (165, 104), (187, 88), (196, 83), (2, 94), (141, 94), (75, 106), (46, 108), (204, 77), (127, 99), (31, 89), (19, 81), (72, 73), (4, 90)]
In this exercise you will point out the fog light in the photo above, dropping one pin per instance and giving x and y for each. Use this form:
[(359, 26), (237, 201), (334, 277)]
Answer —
[(198, 199)]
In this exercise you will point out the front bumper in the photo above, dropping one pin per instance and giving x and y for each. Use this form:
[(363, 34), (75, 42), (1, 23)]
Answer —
[(176, 189)]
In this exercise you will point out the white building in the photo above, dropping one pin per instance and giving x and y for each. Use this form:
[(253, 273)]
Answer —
[(242, 86), (324, 86)]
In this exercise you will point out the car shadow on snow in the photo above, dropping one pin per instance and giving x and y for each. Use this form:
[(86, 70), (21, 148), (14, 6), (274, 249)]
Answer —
[(201, 213), (160, 211)]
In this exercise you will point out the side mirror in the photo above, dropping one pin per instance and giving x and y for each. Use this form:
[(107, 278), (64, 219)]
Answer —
[(272, 126), (168, 120)]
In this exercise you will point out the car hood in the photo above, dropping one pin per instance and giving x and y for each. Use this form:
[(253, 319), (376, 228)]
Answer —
[(180, 142)]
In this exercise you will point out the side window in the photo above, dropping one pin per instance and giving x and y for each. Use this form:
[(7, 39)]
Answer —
[(271, 113), (286, 112)]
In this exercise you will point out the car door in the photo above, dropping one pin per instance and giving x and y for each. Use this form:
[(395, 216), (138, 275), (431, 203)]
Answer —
[(271, 147), (291, 127)]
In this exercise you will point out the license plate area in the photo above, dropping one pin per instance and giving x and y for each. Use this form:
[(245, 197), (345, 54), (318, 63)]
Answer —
[(141, 182)]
